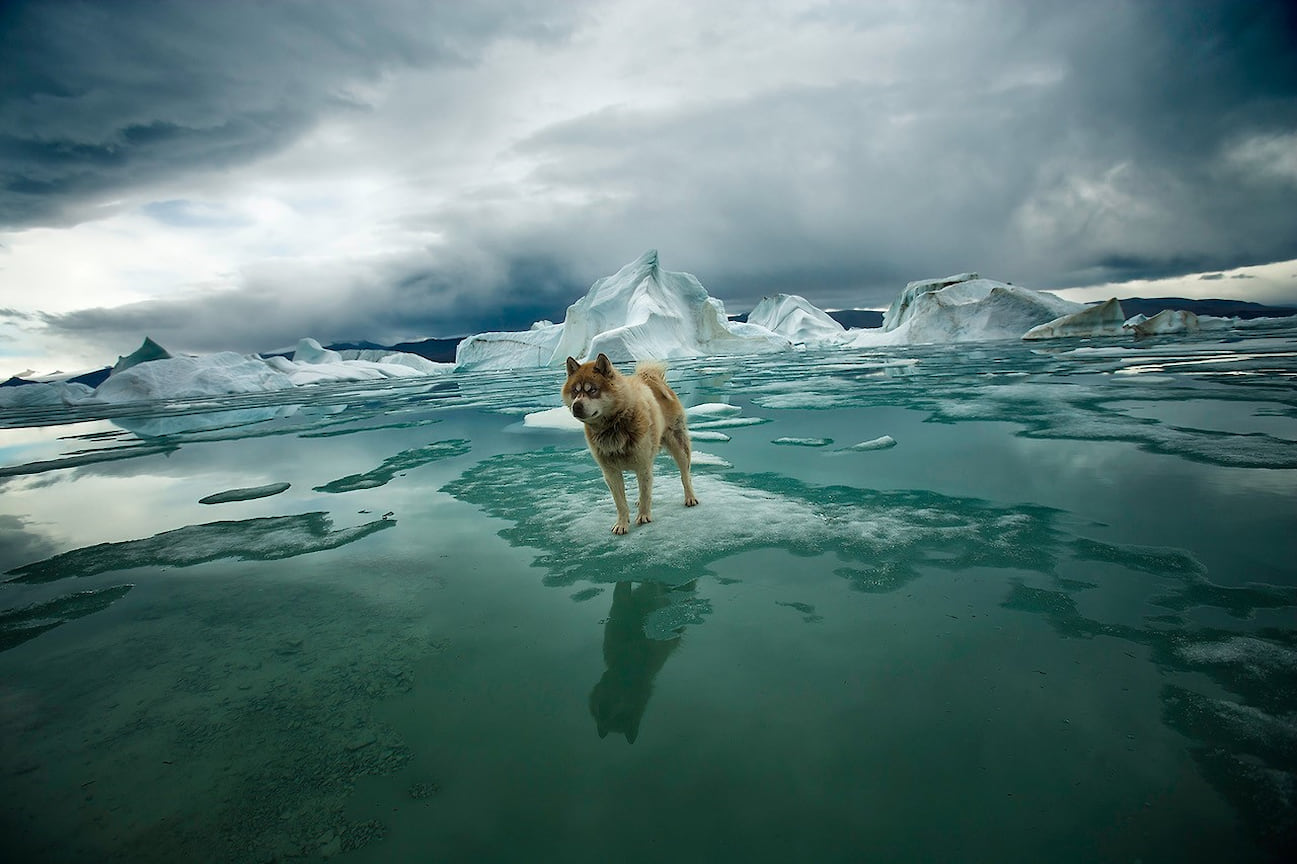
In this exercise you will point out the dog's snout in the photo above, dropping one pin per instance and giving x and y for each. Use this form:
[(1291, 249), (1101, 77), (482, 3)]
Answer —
[(578, 409)]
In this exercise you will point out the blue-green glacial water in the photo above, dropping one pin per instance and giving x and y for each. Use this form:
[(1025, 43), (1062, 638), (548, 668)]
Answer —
[(1054, 622)]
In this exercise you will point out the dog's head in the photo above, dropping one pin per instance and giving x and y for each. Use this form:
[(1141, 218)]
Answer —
[(590, 391)]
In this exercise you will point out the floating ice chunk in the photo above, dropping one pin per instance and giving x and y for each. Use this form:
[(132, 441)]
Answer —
[(713, 409), (802, 442), (553, 418), (1168, 321), (729, 423), (246, 494), (796, 319), (698, 457), (705, 435), (880, 443), (1104, 319), (189, 377)]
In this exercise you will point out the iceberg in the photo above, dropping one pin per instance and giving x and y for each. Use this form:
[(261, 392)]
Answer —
[(963, 308), (505, 350), (641, 312), (1168, 321), (311, 363), (189, 377), (796, 319), (1104, 319), (34, 395)]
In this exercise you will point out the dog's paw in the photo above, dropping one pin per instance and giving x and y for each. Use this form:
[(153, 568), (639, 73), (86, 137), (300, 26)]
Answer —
[(691, 501), (621, 527), (643, 519)]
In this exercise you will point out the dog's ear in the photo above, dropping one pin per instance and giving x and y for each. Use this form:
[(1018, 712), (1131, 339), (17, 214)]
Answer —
[(603, 365), (572, 365)]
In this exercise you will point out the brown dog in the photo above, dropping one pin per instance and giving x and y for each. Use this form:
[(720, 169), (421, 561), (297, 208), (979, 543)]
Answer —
[(627, 421)]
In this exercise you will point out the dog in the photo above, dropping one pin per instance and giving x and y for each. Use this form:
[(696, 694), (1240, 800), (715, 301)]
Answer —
[(627, 420)]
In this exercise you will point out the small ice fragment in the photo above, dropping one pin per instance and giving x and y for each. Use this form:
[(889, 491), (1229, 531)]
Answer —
[(713, 409), (704, 435), (246, 494), (728, 422), (698, 457), (802, 442), (552, 418), (880, 443)]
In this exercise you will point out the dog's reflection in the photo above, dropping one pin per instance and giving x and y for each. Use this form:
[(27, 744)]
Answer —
[(618, 701)]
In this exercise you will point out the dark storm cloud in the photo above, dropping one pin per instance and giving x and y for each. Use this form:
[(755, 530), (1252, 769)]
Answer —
[(97, 99), (1049, 144), (1119, 169), (385, 302)]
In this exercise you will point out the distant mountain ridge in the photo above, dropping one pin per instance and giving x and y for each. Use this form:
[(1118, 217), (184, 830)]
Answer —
[(1150, 306)]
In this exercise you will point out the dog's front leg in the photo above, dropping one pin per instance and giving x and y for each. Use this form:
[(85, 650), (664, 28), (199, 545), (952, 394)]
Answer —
[(645, 479), (617, 486)]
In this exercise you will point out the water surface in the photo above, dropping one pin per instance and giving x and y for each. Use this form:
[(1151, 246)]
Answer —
[(1053, 622)]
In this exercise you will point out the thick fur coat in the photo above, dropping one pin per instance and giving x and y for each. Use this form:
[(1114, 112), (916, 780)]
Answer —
[(628, 419)]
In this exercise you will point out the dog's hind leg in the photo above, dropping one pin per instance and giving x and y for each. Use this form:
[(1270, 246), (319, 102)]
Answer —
[(677, 443), (617, 486)]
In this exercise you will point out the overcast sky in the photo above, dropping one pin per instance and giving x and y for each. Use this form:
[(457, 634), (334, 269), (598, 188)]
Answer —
[(236, 175)]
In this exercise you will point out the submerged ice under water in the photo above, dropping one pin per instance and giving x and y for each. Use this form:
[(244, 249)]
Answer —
[(980, 602)]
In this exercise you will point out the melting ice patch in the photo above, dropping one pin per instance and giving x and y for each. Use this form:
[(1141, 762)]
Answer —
[(19, 625), (558, 503)]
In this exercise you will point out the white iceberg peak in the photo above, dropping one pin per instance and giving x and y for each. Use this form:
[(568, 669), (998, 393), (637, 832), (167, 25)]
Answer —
[(641, 312), (796, 318)]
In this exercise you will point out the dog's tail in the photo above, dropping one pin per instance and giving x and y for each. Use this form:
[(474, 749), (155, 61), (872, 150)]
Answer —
[(651, 369)]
